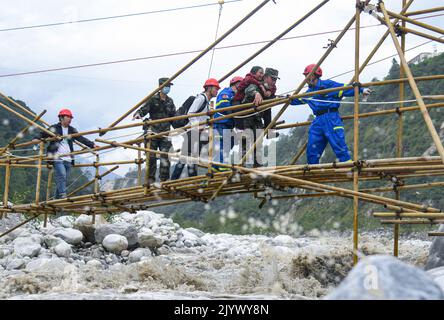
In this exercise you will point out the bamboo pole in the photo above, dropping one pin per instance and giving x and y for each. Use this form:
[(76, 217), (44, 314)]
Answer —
[(14, 165), (399, 136), (48, 194), (39, 173), (436, 234), (356, 135), (421, 34), (413, 85), (139, 166), (12, 142), (415, 22), (147, 145), (189, 64), (299, 154), (210, 143), (414, 221), (418, 12), (6, 190), (408, 215), (97, 175), (110, 163), (369, 190)]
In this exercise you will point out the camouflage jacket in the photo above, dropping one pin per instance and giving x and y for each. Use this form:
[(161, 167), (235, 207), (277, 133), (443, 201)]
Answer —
[(158, 109)]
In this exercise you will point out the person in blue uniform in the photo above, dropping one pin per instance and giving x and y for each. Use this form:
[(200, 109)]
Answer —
[(327, 127), (225, 127)]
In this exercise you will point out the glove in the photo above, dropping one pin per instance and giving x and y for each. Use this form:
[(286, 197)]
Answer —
[(367, 91)]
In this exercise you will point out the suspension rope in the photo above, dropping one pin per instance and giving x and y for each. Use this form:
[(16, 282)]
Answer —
[(221, 3)]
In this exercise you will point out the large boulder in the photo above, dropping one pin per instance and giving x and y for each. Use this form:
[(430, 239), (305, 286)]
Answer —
[(115, 243), (382, 277), (26, 247), (47, 265), (148, 239), (85, 225), (69, 235), (436, 252), (121, 228)]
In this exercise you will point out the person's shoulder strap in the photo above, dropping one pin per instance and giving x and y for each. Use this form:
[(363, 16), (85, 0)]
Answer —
[(202, 107)]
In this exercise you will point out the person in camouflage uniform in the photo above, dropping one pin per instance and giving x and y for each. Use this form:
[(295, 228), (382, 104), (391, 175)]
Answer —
[(249, 125), (158, 107)]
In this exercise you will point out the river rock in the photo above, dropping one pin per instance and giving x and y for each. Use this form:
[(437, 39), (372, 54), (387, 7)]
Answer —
[(148, 239), (63, 221), (196, 232), (138, 254), (121, 228), (69, 235), (46, 265), (26, 247), (95, 264), (63, 250), (115, 243), (438, 275), (189, 239), (51, 241), (15, 263), (436, 252), (84, 224), (382, 277), (283, 240)]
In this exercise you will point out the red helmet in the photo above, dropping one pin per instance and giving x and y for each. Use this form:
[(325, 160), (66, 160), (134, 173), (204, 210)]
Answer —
[(212, 82), (310, 68), (65, 112), (236, 80)]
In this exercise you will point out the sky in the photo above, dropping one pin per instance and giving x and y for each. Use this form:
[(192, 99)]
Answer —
[(99, 95)]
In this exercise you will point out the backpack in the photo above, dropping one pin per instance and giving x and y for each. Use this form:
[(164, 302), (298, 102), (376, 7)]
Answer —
[(183, 110)]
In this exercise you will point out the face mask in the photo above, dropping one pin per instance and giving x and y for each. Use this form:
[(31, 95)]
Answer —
[(166, 90)]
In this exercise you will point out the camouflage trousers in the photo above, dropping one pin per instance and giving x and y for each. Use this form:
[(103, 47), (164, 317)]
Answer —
[(161, 144)]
